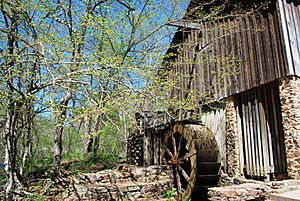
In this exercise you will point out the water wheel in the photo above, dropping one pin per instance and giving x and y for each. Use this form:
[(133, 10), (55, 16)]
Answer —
[(184, 146)]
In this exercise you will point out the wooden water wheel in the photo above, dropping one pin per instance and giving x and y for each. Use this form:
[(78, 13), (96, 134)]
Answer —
[(184, 147)]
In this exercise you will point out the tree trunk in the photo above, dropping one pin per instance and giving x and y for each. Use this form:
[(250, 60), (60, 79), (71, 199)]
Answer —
[(13, 180), (88, 140), (27, 136), (59, 131), (96, 138)]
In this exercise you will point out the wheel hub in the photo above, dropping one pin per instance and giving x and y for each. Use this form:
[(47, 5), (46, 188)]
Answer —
[(173, 162)]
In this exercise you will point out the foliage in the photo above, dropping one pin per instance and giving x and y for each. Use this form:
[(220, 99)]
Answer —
[(170, 194), (210, 10), (76, 71)]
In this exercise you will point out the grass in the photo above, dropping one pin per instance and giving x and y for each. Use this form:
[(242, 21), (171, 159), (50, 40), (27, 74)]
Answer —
[(103, 161)]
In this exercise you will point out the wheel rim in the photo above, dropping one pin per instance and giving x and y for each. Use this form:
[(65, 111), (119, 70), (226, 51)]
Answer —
[(179, 151)]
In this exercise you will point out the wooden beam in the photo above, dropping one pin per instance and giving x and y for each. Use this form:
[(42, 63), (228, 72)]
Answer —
[(286, 37), (185, 24)]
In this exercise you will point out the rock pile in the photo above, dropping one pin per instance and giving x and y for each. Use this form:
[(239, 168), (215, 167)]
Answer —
[(124, 183)]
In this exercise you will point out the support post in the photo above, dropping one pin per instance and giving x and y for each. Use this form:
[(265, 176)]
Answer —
[(232, 139)]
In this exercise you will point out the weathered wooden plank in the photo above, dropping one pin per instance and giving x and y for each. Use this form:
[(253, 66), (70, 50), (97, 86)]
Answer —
[(269, 136), (293, 36), (284, 66), (273, 50), (258, 135), (254, 134), (275, 45), (268, 52), (234, 56), (194, 59), (246, 135), (240, 136), (206, 58), (185, 24), (259, 49), (296, 40), (200, 61), (220, 57), (286, 30), (264, 137), (246, 56), (277, 154), (239, 50), (262, 49), (251, 138), (211, 64), (187, 66), (182, 66), (251, 52), (217, 63), (227, 50)]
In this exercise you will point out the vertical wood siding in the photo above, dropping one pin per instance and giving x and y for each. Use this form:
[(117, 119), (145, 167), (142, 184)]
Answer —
[(229, 56), (261, 129), (290, 19)]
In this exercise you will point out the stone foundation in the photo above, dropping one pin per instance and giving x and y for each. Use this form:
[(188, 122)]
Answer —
[(290, 106), (124, 183), (232, 140), (252, 190)]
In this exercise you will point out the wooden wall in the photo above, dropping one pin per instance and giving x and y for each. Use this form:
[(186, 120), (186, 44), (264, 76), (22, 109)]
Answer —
[(260, 125), (215, 119), (290, 19), (228, 56)]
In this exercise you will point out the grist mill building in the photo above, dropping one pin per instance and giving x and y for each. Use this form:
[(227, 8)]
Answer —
[(249, 67)]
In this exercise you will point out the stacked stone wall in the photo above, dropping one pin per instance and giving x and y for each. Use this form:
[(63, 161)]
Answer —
[(290, 106), (232, 140), (135, 142), (124, 183)]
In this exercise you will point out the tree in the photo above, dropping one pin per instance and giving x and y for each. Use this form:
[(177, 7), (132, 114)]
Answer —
[(54, 53)]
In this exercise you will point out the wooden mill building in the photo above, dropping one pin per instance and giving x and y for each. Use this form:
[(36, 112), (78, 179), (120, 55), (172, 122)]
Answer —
[(248, 67), (243, 71)]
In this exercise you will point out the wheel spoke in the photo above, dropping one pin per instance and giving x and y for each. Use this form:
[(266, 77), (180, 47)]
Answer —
[(184, 174), (179, 145), (178, 182), (174, 146), (186, 156), (169, 152)]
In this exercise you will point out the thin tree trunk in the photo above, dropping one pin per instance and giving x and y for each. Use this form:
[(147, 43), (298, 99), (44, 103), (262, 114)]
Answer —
[(88, 140), (96, 138), (59, 131), (10, 136), (13, 181), (27, 137)]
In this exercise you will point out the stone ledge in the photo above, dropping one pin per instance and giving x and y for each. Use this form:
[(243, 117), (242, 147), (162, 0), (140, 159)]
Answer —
[(288, 196), (253, 190)]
